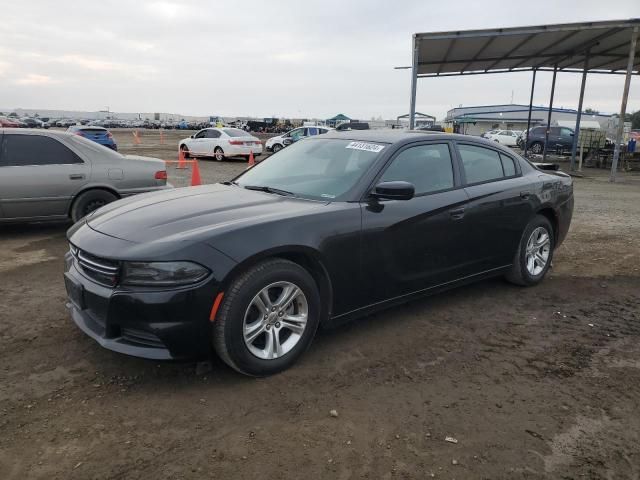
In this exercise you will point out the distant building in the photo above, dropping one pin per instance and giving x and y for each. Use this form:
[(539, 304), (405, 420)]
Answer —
[(337, 120), (477, 120)]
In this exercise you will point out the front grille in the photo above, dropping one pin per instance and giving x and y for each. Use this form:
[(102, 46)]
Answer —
[(141, 337), (101, 270)]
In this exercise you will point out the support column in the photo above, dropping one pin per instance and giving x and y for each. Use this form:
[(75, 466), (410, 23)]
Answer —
[(546, 133), (576, 131), (533, 86), (414, 84), (623, 105)]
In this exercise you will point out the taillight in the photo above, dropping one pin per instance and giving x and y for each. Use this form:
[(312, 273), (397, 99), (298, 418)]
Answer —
[(161, 175), (236, 142)]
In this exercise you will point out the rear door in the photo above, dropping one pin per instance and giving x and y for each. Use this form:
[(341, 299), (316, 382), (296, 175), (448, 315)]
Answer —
[(212, 140), (39, 176), (410, 245), (499, 206)]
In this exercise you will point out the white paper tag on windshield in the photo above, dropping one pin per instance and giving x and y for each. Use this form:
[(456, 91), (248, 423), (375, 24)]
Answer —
[(367, 147)]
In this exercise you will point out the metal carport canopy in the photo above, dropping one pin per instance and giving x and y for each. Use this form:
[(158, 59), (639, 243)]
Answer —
[(527, 48), (588, 47)]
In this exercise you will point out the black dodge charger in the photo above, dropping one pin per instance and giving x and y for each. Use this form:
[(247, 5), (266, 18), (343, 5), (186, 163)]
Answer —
[(330, 228)]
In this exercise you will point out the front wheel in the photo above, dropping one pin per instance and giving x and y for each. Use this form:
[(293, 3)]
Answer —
[(185, 150), (276, 148), (535, 253), (536, 147), (268, 318)]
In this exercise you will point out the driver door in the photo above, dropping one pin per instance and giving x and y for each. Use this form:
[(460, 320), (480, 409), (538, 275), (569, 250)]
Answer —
[(198, 145), (412, 245)]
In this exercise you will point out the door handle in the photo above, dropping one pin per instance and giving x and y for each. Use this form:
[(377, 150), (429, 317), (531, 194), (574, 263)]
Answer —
[(76, 176), (456, 213)]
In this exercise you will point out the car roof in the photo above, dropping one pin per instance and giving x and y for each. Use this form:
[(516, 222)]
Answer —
[(393, 136), (39, 131)]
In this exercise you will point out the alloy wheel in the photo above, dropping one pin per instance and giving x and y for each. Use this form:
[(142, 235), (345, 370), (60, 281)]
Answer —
[(538, 250), (275, 320)]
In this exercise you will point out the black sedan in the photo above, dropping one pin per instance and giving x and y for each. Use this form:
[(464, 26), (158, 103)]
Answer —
[(333, 227)]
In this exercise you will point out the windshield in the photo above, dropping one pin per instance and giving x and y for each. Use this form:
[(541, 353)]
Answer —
[(321, 169)]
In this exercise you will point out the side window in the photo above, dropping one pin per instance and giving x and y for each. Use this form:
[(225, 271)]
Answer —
[(565, 132), (508, 165), (313, 131), (554, 131), (21, 150), (322, 130), (213, 134), (201, 134), (428, 167), (480, 164)]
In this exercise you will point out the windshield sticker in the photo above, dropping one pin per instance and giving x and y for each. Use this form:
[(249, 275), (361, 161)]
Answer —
[(327, 195), (367, 147)]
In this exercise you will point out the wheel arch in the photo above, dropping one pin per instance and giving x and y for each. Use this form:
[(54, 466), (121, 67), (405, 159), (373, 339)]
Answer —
[(88, 188), (305, 257), (551, 215)]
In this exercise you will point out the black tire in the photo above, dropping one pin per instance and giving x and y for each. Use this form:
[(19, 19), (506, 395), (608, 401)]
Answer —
[(185, 151), (228, 339), (276, 148), (537, 148), (519, 274), (218, 154), (89, 201)]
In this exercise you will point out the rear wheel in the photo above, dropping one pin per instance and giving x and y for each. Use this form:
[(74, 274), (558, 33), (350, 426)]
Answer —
[(89, 201), (218, 154), (536, 147), (535, 253), (267, 319)]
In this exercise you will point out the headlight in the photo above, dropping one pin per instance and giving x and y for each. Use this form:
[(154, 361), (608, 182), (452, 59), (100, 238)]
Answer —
[(162, 273)]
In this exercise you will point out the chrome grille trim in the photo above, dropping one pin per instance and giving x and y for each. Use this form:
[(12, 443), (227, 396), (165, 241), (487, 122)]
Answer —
[(95, 267)]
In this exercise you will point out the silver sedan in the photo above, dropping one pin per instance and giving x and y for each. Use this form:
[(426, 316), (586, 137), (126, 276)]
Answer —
[(47, 175)]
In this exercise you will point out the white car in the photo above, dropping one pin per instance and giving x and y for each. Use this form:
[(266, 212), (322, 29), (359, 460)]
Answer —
[(220, 143), (504, 137), (275, 144)]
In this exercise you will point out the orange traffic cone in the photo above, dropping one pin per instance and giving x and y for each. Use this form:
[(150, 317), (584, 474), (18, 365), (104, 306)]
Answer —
[(195, 174), (182, 163), (252, 161), (136, 137), (161, 137)]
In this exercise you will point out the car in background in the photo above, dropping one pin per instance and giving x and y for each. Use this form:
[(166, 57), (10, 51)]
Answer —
[(52, 175), (96, 134), (490, 132), (65, 122), (505, 137), (6, 122), (274, 144), (331, 228), (32, 122), (220, 143), (560, 140)]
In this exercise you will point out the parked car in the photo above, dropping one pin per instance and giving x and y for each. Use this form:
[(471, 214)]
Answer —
[(505, 137), (487, 134), (96, 134), (48, 175), (330, 228), (220, 143), (32, 122), (6, 122), (560, 140), (277, 143)]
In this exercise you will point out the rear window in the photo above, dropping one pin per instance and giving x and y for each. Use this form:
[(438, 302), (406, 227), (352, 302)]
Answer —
[(94, 130), (235, 132)]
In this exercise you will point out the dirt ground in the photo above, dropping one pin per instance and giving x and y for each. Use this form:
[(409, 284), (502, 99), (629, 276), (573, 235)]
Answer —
[(532, 383)]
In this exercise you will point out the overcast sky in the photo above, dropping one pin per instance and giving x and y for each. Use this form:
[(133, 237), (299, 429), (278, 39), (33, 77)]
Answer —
[(264, 58)]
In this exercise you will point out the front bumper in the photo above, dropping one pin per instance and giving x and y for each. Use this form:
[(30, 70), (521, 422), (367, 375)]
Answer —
[(158, 324)]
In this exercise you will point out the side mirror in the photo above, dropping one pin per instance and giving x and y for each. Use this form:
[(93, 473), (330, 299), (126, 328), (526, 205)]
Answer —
[(287, 141), (397, 190), (193, 136)]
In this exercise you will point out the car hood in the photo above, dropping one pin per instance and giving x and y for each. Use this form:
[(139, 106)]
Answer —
[(193, 213)]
